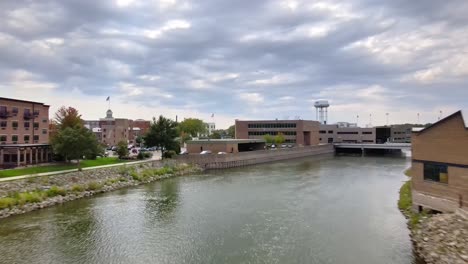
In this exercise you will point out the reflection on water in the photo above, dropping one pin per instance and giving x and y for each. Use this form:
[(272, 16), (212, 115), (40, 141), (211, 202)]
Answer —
[(330, 210)]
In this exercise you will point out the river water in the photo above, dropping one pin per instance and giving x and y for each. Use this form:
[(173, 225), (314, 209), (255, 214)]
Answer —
[(326, 210)]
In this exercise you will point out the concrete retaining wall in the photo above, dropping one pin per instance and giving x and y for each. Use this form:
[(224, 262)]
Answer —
[(215, 161)]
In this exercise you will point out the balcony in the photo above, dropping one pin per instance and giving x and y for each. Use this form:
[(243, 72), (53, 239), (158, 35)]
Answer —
[(4, 114), (36, 113), (28, 116)]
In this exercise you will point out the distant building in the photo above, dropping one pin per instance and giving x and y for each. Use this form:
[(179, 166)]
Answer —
[(401, 133), (339, 133), (225, 145), (299, 132), (440, 165), (24, 133), (110, 131)]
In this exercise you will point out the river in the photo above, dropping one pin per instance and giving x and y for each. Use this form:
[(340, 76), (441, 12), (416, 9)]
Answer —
[(339, 210)]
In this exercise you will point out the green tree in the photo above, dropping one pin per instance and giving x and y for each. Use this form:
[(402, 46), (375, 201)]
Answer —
[(231, 131), (162, 134), (192, 126), (215, 135), (139, 140), (279, 139), (75, 143), (122, 149), (269, 139), (68, 117)]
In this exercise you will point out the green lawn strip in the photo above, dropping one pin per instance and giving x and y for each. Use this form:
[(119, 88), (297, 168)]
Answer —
[(58, 167), (405, 204)]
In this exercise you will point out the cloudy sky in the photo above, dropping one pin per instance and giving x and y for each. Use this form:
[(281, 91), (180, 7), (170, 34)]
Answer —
[(254, 59)]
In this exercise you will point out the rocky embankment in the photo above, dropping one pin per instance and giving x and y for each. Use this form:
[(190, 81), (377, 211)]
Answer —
[(442, 238), (21, 196)]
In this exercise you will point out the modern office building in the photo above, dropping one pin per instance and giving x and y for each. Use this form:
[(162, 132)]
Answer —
[(401, 133), (24, 133), (339, 133), (225, 145), (298, 132), (440, 165)]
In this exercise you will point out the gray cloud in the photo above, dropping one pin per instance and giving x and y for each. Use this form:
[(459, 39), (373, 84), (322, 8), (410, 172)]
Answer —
[(263, 59)]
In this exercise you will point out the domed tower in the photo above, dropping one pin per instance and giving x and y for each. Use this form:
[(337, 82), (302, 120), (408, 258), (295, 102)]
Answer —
[(109, 114)]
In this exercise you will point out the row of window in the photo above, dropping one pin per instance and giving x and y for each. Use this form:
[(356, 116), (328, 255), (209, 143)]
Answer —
[(271, 133), (14, 138), (272, 125), (14, 124), (15, 110), (346, 132)]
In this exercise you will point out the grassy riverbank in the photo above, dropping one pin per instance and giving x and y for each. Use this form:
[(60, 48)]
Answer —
[(126, 176), (59, 167), (405, 203)]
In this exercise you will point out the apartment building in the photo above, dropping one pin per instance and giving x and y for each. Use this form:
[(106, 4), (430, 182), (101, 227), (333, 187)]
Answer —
[(24, 133), (440, 165), (298, 132)]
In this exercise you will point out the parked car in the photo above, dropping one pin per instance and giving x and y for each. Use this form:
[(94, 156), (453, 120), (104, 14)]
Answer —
[(273, 146), (283, 146), (184, 152), (114, 148), (205, 152), (290, 146), (222, 153)]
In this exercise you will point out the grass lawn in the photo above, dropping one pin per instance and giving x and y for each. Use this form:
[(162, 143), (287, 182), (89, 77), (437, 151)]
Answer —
[(58, 167)]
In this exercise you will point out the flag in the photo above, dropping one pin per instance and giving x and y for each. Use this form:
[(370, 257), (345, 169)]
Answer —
[(212, 115), (108, 98)]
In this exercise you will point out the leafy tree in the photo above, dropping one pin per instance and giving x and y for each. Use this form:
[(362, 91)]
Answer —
[(122, 149), (184, 137), (68, 117), (192, 126), (231, 131), (162, 134), (215, 135), (139, 140), (269, 139), (73, 143), (279, 138)]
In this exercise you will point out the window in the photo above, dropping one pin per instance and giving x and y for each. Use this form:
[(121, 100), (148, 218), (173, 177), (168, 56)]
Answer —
[(347, 133), (3, 109), (3, 124), (44, 131), (435, 172), (14, 124), (3, 138), (367, 133), (322, 131), (14, 138), (36, 137), (330, 140), (330, 131), (36, 125), (44, 120), (26, 138), (26, 124), (14, 110)]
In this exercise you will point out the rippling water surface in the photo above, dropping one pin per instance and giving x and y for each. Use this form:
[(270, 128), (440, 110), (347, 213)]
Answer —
[(329, 210)]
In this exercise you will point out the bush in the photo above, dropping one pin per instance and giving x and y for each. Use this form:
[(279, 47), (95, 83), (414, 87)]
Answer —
[(122, 149), (77, 188), (55, 191), (169, 154), (30, 197), (147, 155), (7, 202), (123, 170), (93, 186), (140, 155)]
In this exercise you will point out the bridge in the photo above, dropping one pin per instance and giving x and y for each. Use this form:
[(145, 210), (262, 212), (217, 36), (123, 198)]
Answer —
[(386, 146)]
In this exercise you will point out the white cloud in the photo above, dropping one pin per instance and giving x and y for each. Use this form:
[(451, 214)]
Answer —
[(170, 25), (252, 98)]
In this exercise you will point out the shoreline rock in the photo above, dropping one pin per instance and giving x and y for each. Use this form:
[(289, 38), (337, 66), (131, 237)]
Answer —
[(104, 180)]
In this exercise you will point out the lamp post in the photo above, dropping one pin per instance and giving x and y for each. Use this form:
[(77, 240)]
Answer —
[(418, 119), (387, 117)]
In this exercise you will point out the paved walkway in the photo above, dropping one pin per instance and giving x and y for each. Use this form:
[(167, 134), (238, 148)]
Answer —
[(72, 170)]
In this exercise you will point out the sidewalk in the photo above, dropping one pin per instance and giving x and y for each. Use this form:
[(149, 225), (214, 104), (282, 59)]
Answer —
[(73, 170)]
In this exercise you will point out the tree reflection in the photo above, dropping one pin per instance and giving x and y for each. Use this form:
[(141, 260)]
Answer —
[(162, 199)]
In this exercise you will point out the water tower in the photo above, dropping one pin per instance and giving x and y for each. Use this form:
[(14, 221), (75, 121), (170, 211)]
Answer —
[(321, 107)]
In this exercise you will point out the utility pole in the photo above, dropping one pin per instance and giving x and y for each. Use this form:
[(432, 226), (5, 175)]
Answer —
[(387, 117), (418, 119), (357, 120)]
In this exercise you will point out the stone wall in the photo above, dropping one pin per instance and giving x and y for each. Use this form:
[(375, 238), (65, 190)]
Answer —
[(215, 161)]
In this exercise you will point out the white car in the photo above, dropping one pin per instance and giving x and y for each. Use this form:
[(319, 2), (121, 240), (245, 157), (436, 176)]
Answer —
[(222, 153), (205, 152)]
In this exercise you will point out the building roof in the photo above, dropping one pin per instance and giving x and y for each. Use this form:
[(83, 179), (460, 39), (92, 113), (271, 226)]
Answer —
[(225, 141), (456, 114), (22, 101), (23, 145)]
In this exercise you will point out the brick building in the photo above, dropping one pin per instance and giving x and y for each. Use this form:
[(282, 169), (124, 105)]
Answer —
[(440, 165), (299, 132), (24, 133)]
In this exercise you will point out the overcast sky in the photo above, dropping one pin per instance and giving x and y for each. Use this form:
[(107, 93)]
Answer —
[(238, 59)]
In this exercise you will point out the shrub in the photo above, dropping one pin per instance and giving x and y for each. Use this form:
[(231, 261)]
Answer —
[(140, 155), (7, 202), (135, 176), (147, 155), (77, 188), (123, 170), (123, 179), (30, 197), (93, 186), (169, 154), (55, 191)]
